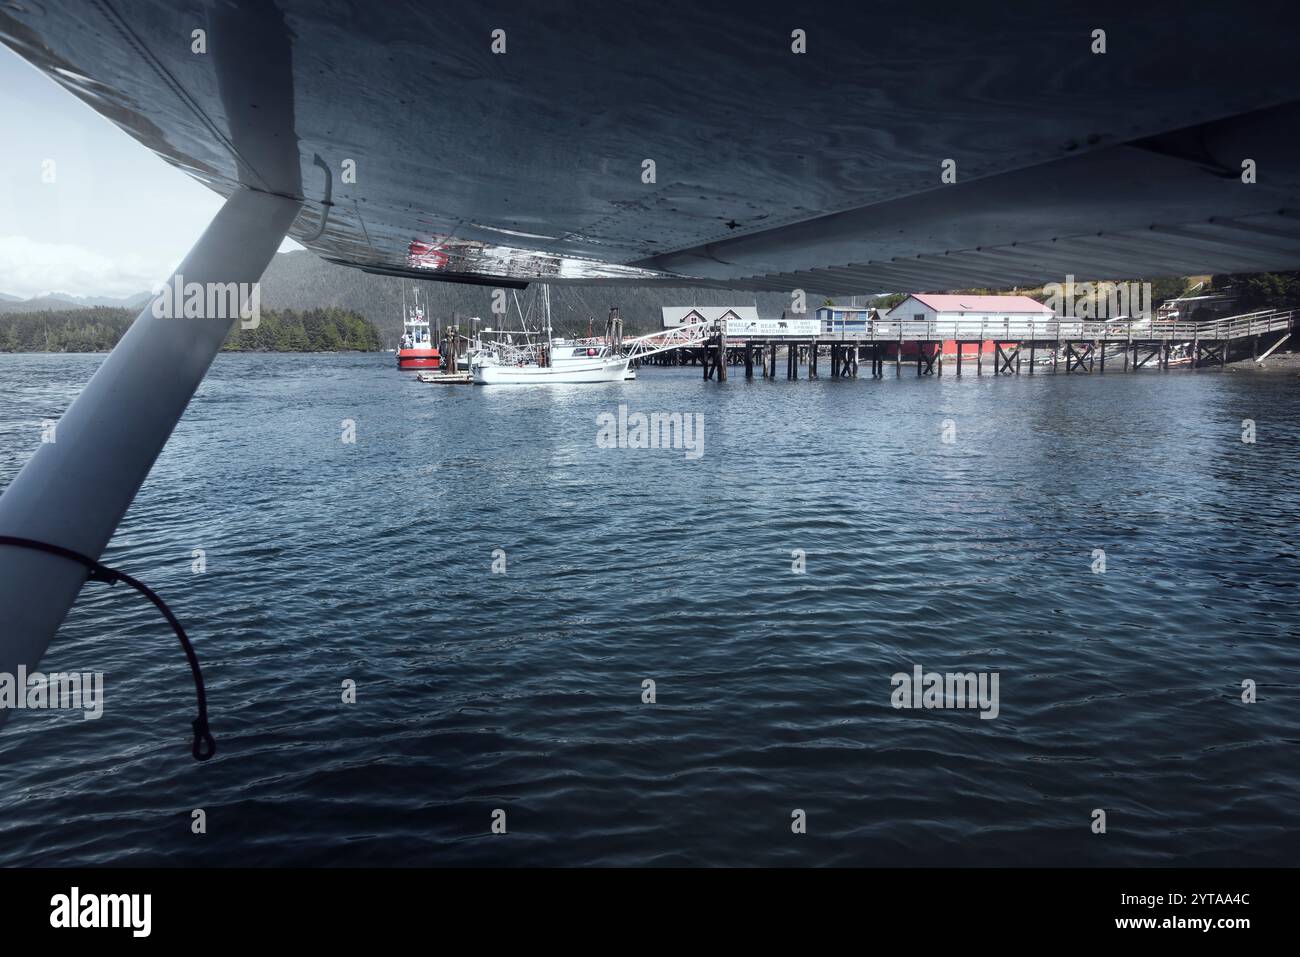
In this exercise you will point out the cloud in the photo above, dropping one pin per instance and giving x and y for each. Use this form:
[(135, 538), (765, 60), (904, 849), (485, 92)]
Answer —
[(31, 268)]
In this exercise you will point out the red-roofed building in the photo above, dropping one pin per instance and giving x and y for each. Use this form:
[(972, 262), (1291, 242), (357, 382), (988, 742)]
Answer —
[(971, 319)]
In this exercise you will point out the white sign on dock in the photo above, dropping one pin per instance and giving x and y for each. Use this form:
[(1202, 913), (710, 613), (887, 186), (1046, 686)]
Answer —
[(773, 328)]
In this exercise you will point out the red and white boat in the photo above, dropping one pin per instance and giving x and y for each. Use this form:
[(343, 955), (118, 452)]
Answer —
[(416, 350)]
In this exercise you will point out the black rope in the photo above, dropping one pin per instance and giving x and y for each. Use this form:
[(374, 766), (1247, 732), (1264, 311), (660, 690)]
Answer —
[(204, 745)]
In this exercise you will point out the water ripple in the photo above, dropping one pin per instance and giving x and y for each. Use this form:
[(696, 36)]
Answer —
[(329, 562)]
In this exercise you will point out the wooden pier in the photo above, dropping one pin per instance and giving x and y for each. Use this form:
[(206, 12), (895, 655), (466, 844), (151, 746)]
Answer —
[(1004, 348)]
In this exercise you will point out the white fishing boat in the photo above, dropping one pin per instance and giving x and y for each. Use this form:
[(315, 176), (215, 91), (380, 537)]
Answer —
[(563, 364), (559, 362)]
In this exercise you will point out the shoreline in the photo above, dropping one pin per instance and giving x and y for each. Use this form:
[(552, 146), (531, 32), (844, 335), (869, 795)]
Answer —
[(1276, 364), (225, 352)]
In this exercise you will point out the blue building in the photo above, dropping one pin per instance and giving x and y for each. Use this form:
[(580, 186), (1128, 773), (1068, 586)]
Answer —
[(846, 321)]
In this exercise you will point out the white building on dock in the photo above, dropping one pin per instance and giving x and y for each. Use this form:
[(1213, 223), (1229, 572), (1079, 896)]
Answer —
[(681, 315)]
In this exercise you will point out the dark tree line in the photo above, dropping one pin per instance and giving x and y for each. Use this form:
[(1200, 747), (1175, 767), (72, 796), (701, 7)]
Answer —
[(99, 329), (1262, 290), (311, 330), (72, 330)]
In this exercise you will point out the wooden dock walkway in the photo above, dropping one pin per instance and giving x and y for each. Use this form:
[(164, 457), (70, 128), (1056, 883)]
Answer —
[(1081, 345)]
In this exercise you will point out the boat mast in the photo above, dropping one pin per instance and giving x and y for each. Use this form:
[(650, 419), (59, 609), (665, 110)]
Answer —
[(435, 333), (523, 320), (546, 312)]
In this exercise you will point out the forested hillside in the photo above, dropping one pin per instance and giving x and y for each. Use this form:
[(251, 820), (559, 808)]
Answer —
[(296, 278), (98, 329)]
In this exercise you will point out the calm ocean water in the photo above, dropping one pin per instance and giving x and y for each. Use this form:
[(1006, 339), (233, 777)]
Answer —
[(372, 562)]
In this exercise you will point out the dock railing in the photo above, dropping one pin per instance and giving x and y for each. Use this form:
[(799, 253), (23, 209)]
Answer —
[(1110, 330)]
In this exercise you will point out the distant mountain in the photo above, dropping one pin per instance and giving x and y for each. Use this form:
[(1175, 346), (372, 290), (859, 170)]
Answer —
[(123, 302), (36, 304), (60, 301)]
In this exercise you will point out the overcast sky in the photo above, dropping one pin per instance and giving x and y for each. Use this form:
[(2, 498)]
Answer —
[(116, 219)]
